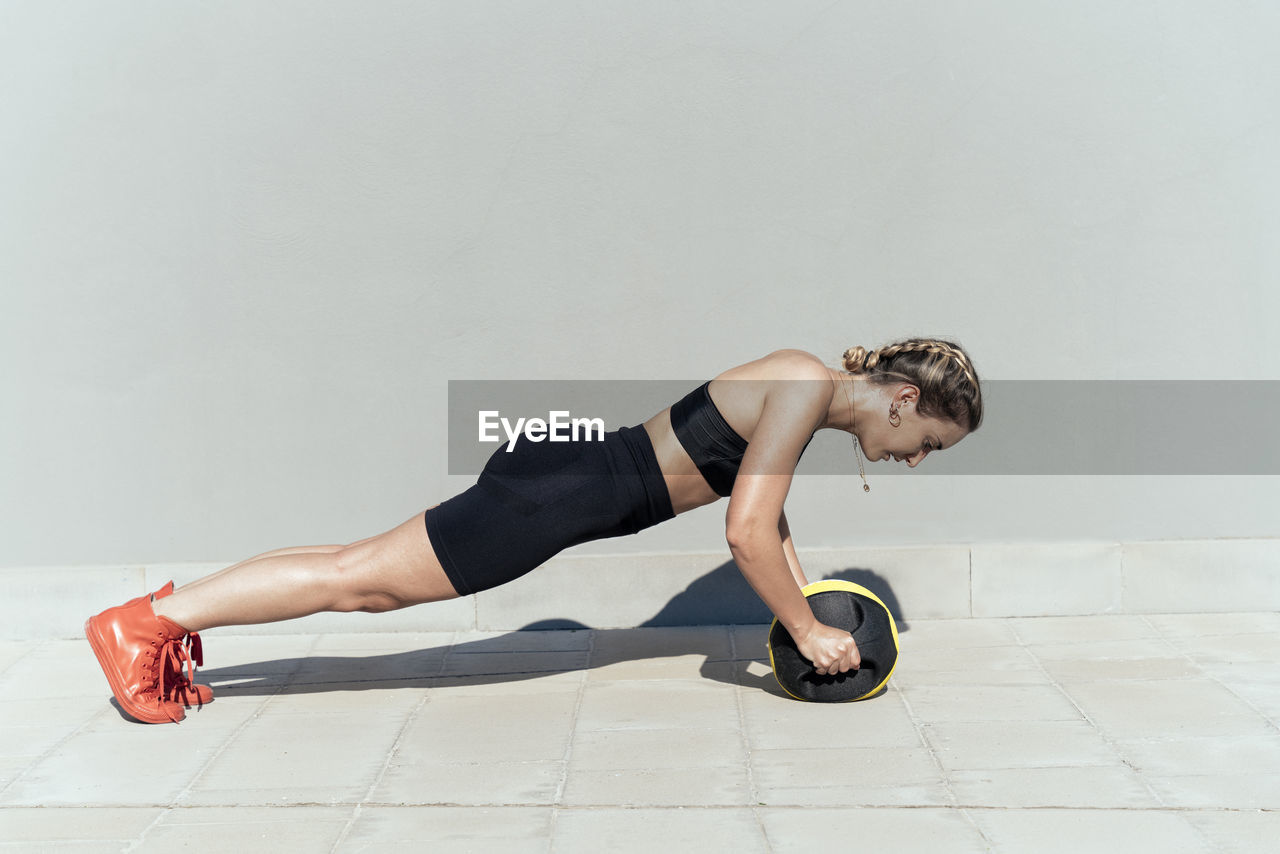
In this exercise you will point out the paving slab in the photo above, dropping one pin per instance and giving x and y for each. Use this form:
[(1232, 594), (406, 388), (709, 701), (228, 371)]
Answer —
[(412, 779), (770, 723), (1084, 629), (476, 830), (977, 745), (1071, 831), (1167, 708), (705, 786), (1125, 732), (11, 651), (640, 749), (303, 758), (1238, 831), (672, 831), (252, 828), (839, 776), (1097, 786), (877, 829), (921, 664), (38, 827), (990, 703)]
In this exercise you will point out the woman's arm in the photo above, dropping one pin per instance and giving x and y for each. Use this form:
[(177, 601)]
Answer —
[(790, 551), (754, 524), (759, 554)]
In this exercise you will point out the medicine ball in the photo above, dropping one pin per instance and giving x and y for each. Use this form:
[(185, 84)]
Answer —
[(842, 605)]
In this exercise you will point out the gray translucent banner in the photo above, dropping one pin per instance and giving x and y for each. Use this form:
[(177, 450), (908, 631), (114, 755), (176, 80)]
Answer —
[(1034, 427)]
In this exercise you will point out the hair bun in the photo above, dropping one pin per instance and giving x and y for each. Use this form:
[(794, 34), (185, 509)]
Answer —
[(855, 360)]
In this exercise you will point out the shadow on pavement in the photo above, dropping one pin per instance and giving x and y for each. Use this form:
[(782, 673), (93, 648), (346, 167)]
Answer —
[(718, 599)]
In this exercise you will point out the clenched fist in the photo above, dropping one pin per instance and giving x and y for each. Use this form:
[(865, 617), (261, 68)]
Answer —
[(831, 650)]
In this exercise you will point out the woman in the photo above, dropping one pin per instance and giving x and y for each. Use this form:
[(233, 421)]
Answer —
[(740, 440)]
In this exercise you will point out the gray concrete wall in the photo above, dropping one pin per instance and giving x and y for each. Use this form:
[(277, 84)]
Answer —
[(575, 590), (244, 246)]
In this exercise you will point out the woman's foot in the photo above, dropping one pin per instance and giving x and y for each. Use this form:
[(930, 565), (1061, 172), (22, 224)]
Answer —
[(142, 656)]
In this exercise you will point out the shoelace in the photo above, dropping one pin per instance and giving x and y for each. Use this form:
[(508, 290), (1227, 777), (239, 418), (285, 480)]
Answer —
[(192, 652), (156, 669), (197, 650), (175, 666)]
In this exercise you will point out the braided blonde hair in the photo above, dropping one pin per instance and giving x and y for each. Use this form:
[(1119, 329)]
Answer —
[(942, 370)]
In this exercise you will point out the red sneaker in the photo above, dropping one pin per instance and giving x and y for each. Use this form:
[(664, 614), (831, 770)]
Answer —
[(138, 652), (184, 691)]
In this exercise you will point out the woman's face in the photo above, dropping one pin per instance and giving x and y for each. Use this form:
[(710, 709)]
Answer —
[(913, 439)]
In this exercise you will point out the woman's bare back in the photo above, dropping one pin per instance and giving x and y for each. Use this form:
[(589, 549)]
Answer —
[(739, 402)]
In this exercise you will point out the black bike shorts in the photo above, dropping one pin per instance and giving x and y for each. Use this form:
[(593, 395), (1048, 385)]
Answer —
[(544, 497)]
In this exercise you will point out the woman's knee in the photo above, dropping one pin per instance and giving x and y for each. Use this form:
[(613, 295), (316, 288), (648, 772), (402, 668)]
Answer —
[(358, 583), (392, 570)]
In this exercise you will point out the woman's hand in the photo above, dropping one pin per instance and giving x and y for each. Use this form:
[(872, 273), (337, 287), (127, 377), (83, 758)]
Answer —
[(831, 650)]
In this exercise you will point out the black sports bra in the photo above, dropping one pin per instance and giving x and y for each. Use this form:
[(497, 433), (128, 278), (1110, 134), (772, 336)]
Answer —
[(715, 447)]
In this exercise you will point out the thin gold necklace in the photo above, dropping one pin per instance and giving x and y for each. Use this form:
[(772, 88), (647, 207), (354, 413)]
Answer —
[(857, 454)]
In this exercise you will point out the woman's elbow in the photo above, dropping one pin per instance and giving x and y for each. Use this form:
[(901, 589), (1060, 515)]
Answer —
[(746, 537)]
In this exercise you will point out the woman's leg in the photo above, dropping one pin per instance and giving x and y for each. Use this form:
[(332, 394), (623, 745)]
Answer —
[(392, 570), (294, 550), (147, 645)]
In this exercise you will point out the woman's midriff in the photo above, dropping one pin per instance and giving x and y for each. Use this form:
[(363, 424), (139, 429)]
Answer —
[(686, 485)]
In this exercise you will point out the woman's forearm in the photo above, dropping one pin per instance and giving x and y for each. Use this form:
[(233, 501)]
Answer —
[(763, 563), (789, 549)]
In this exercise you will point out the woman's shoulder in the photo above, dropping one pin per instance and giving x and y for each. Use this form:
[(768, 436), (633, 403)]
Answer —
[(784, 364), (797, 364), (791, 381)]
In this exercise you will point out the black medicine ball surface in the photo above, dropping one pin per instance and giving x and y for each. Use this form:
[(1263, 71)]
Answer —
[(848, 606)]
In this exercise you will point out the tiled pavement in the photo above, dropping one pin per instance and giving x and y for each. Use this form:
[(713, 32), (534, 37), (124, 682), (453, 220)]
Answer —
[(1073, 734)]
